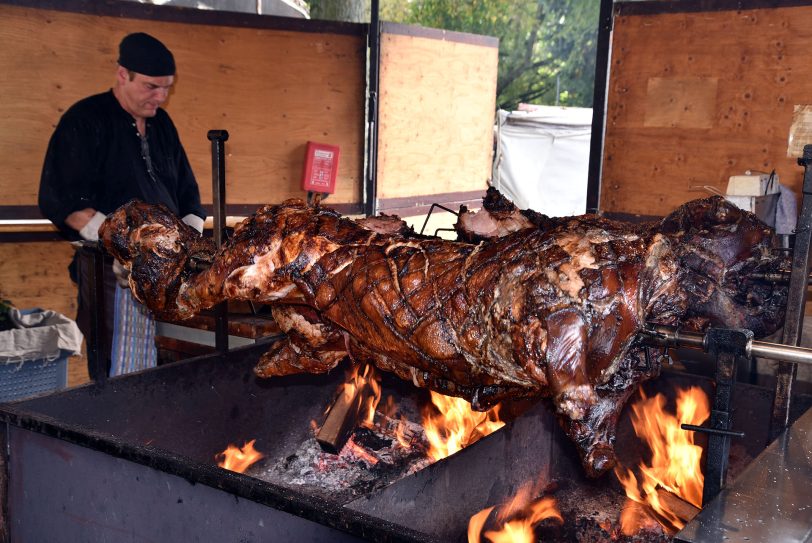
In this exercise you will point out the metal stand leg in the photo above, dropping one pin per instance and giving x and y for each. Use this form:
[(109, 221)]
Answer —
[(796, 302), (218, 139), (5, 521), (95, 340)]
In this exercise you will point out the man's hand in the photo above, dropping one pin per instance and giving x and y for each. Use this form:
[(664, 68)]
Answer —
[(122, 274), (87, 222)]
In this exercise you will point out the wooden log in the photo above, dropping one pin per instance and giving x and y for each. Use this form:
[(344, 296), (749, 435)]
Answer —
[(341, 420), (679, 507)]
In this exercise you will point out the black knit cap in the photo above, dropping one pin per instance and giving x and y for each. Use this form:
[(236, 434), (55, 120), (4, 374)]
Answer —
[(145, 55)]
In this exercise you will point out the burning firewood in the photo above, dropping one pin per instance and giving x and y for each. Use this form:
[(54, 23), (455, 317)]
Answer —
[(341, 420), (354, 404), (682, 509)]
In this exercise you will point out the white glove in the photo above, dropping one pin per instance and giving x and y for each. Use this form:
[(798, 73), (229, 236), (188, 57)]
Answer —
[(90, 231), (194, 221), (122, 274)]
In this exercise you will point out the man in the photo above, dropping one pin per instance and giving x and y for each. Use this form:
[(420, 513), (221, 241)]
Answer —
[(106, 150)]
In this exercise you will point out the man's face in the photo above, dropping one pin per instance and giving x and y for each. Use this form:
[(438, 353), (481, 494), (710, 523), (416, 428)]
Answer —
[(142, 95)]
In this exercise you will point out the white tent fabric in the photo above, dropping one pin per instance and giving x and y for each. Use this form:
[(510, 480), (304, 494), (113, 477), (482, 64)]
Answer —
[(542, 158)]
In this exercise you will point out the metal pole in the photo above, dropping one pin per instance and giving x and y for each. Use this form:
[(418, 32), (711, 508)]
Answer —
[(218, 139), (796, 302), (96, 338), (374, 44), (593, 188)]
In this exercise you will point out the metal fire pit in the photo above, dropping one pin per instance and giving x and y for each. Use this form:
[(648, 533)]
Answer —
[(133, 460)]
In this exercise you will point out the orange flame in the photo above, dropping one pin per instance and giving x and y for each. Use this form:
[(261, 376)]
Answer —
[(360, 377), (457, 425), (516, 519), (238, 459), (674, 462)]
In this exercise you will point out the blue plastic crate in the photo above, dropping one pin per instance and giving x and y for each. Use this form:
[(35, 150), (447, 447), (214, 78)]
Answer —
[(33, 377)]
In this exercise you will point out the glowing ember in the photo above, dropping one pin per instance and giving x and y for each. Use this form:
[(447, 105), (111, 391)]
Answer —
[(238, 459), (403, 433), (457, 425), (362, 453), (674, 463), (515, 520)]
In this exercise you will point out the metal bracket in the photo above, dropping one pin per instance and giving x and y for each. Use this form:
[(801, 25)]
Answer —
[(729, 347), (428, 216)]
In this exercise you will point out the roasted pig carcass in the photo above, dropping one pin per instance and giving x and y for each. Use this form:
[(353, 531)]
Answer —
[(552, 309)]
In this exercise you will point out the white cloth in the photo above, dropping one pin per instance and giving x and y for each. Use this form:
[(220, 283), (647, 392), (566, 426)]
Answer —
[(194, 221), (542, 159), (40, 335), (786, 213), (90, 231)]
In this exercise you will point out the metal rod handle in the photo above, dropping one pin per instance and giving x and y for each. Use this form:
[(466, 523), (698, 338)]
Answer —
[(668, 336), (714, 431)]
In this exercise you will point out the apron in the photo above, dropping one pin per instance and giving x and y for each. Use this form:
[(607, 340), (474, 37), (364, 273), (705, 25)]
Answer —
[(133, 336)]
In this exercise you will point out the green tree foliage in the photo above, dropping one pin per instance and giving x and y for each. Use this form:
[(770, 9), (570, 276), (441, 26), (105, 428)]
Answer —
[(355, 11), (547, 48)]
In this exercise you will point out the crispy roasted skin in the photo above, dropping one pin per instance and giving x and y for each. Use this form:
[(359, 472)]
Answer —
[(549, 310)]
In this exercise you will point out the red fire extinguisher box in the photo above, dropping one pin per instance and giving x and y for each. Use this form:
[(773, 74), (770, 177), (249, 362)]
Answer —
[(321, 165)]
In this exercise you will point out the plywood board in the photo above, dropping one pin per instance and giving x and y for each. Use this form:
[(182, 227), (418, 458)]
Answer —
[(684, 102), (36, 275), (272, 89), (436, 114), (739, 73)]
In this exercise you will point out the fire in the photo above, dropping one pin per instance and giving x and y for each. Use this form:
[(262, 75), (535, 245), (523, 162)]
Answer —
[(361, 378), (674, 462), (457, 425), (516, 519), (238, 459)]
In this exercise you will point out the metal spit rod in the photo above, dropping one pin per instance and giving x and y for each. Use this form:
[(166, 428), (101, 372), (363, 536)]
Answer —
[(668, 336), (781, 277)]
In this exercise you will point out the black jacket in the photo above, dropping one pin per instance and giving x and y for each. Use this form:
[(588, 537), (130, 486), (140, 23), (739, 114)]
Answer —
[(95, 159)]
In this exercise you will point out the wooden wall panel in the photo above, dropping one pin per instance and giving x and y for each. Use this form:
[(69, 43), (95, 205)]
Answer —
[(436, 113), (271, 89), (697, 97), (36, 275)]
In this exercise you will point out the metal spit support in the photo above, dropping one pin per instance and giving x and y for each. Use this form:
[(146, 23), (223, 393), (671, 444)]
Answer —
[(218, 140), (796, 302), (728, 347)]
